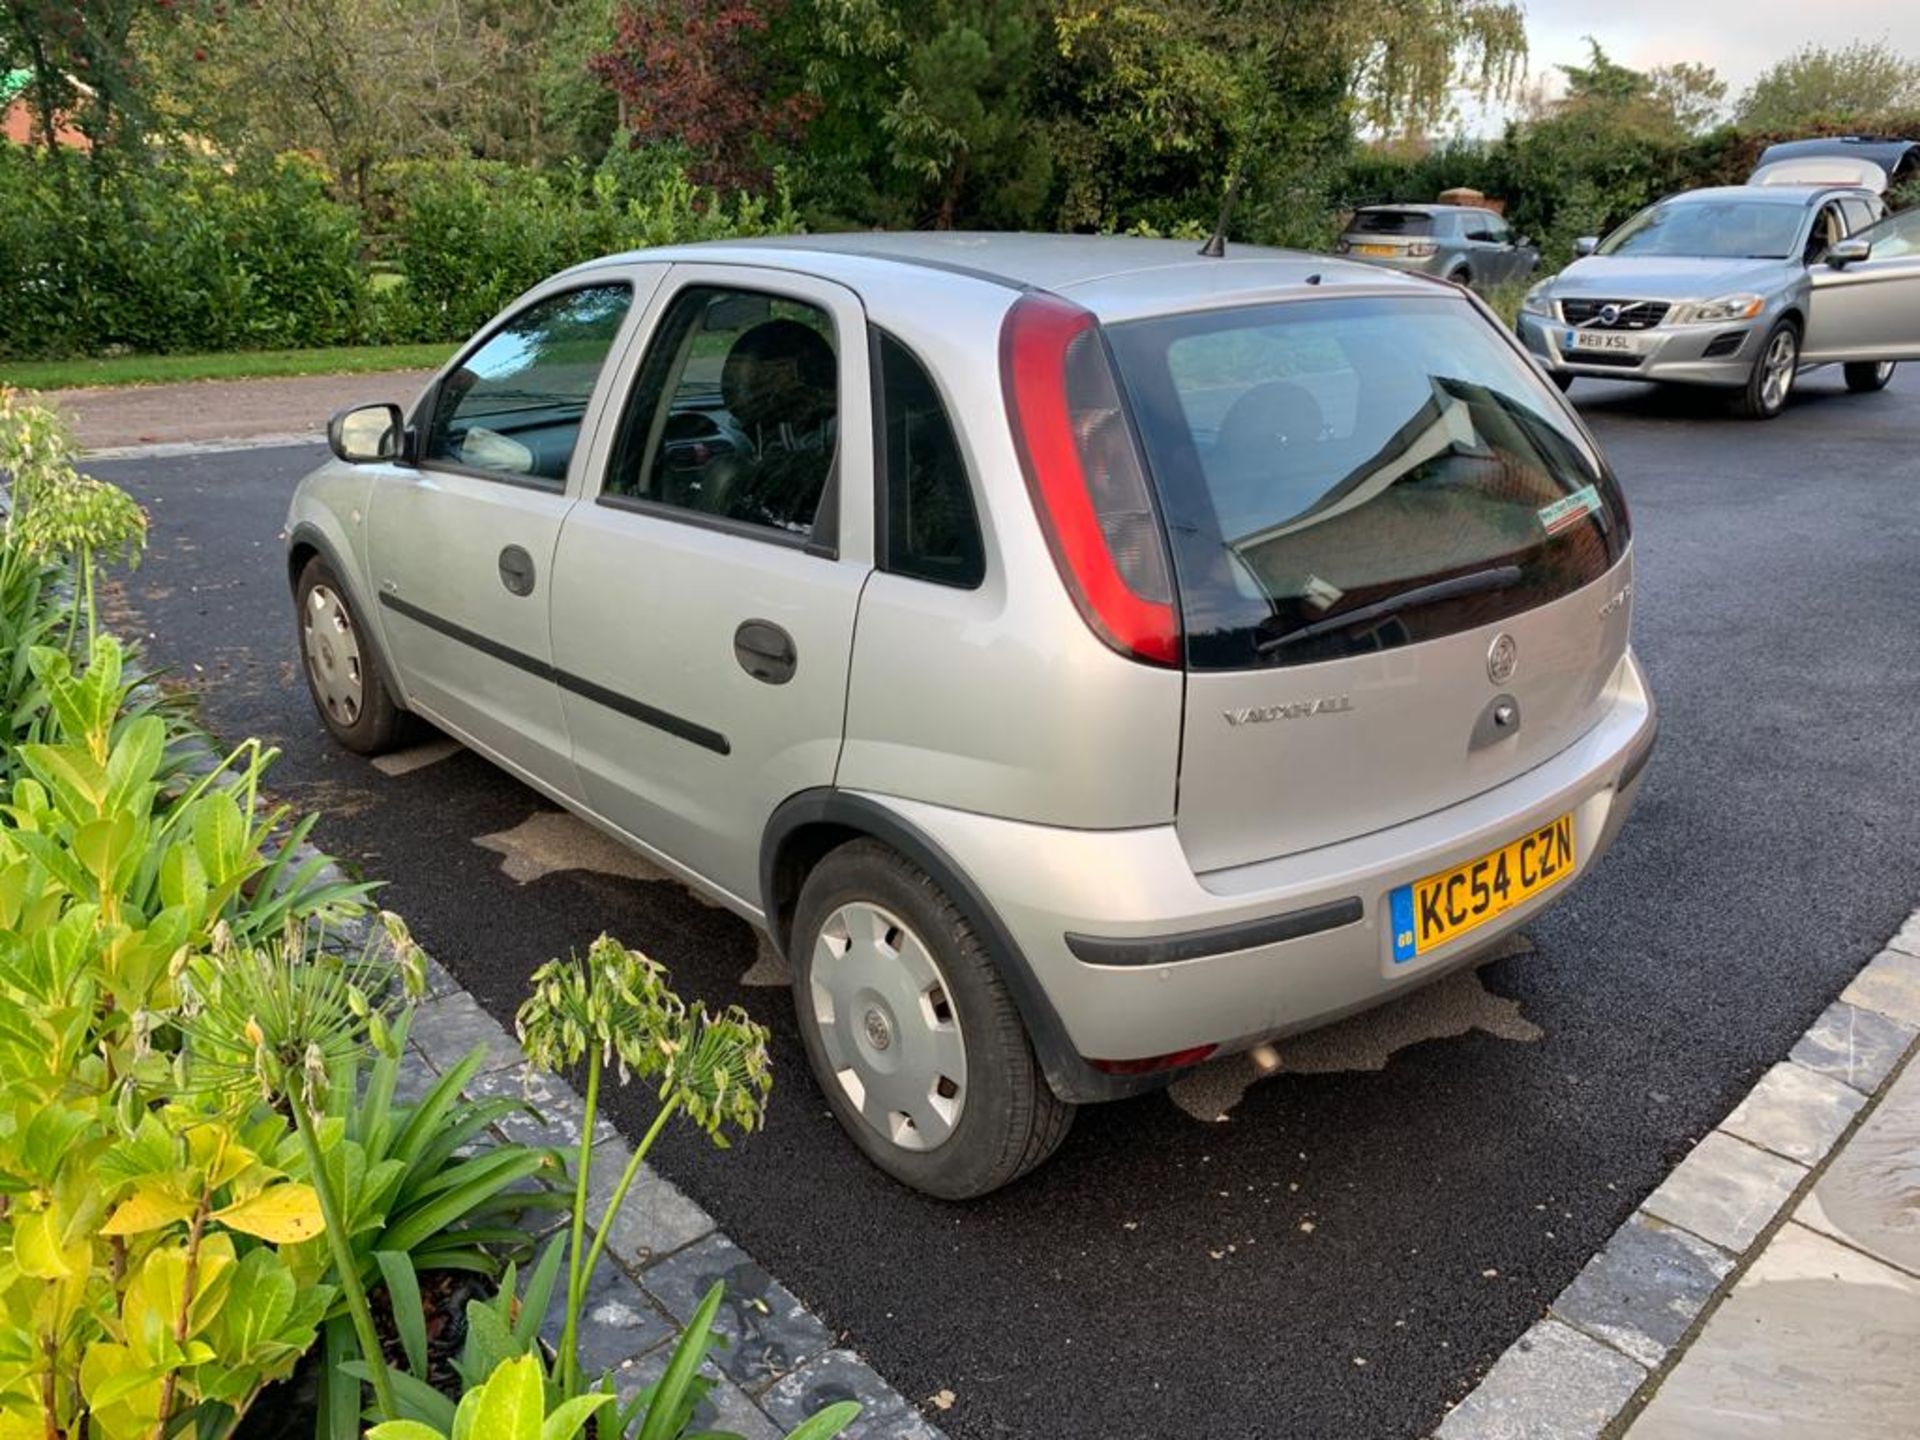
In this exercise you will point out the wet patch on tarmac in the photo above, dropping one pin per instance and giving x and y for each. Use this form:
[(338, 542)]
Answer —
[(1446, 1009)]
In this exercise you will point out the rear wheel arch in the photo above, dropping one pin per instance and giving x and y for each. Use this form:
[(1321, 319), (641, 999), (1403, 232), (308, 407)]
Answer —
[(809, 826)]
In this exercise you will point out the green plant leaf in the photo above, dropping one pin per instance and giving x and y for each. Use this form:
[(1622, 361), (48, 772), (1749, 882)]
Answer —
[(539, 1294), (827, 1423), (404, 1430), (567, 1418), (285, 1214), (403, 1299), (663, 1418), (513, 1402)]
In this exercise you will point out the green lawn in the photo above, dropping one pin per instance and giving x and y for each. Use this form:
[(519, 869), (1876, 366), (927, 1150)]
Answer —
[(244, 365)]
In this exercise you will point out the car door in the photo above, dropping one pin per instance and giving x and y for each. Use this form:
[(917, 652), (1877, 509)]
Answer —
[(460, 543), (704, 593), (1496, 244), (1870, 309)]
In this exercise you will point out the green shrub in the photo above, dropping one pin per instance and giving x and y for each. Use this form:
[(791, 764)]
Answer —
[(173, 256), (467, 237)]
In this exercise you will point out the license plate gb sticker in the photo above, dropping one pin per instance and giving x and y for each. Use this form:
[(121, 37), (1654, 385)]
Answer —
[(1400, 909)]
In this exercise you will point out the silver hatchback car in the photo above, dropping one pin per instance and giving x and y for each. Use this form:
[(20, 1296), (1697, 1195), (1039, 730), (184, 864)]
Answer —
[(1082, 657)]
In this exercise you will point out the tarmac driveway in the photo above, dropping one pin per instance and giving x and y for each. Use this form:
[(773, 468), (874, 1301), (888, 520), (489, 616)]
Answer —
[(1337, 1250)]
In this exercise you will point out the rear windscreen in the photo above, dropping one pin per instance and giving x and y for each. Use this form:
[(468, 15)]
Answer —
[(1391, 222), (1344, 476)]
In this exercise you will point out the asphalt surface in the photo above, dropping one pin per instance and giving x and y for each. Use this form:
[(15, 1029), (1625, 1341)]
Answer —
[(1346, 1253)]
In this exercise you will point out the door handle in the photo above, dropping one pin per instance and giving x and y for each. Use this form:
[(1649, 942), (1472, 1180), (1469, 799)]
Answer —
[(765, 651), (516, 570)]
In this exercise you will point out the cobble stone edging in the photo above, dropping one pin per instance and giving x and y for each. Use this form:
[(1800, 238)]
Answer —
[(1615, 1331), (779, 1363)]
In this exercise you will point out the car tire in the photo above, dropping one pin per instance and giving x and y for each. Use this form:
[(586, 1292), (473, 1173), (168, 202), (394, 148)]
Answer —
[(899, 1001), (1462, 277), (1866, 376), (1770, 383), (343, 675)]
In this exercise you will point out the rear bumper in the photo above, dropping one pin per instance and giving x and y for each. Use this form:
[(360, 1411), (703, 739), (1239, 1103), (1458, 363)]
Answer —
[(1140, 957), (1682, 354)]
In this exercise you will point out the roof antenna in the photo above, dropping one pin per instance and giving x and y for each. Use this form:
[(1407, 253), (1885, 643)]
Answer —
[(1216, 246)]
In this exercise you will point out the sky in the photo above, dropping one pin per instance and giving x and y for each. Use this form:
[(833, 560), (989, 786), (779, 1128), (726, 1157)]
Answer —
[(1738, 38)]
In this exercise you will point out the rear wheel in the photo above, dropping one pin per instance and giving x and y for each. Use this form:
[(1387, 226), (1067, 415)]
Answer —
[(1866, 376), (1462, 277), (910, 1030), (342, 676), (1771, 381)]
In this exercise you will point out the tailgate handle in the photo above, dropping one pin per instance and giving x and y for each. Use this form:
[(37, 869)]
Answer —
[(765, 651)]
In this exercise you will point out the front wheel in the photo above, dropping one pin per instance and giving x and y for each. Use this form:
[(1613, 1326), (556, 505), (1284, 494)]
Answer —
[(342, 675), (1866, 376), (910, 1030), (1771, 381)]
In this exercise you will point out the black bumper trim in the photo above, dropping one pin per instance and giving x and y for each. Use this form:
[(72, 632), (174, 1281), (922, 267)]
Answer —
[(1218, 940)]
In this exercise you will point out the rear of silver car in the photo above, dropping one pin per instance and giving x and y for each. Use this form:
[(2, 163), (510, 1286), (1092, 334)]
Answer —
[(1391, 576)]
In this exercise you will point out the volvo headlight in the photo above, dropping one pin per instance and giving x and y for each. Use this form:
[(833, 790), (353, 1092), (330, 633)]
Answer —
[(1713, 312), (1536, 301)]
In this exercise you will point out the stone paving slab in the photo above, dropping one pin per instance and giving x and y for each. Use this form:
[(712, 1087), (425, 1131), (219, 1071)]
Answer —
[(617, 1323), (1870, 1196), (841, 1375), (1643, 1290), (1890, 984), (1553, 1384), (1815, 1340), (1726, 1191), (1854, 1046), (447, 1028), (725, 1408), (769, 1333), (1795, 1113)]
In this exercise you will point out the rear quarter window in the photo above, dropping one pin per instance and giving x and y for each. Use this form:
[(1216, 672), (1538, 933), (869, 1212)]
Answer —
[(1350, 475), (1392, 222)]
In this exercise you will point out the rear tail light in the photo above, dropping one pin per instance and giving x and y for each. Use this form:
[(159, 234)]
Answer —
[(1085, 474), (1423, 248)]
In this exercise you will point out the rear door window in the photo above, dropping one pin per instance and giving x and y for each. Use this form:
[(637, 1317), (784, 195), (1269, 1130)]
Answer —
[(1345, 476)]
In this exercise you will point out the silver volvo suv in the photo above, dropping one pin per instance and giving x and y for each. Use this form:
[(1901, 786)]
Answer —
[(1083, 657)]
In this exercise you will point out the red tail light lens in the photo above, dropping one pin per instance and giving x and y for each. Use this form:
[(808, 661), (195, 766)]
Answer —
[(1154, 1064), (1085, 474)]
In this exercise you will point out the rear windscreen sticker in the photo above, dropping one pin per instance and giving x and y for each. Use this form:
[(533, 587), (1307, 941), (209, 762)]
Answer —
[(1570, 510)]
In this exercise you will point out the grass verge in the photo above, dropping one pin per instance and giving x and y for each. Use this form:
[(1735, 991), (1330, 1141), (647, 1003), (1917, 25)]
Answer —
[(236, 365)]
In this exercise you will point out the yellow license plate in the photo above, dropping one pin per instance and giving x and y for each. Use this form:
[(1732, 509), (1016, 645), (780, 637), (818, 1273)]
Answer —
[(1376, 250), (1430, 912)]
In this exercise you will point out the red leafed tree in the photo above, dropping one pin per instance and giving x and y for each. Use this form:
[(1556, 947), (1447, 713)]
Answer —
[(701, 73)]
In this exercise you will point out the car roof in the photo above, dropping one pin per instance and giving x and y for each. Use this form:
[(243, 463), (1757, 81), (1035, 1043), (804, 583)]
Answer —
[(1801, 195), (1887, 151), (1423, 207), (1023, 261)]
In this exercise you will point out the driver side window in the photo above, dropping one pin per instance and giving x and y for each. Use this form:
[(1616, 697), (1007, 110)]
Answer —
[(1828, 231), (513, 408), (735, 412)]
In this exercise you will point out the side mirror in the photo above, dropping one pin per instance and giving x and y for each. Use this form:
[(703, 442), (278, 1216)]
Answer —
[(364, 433), (1585, 246), (1849, 252), (1523, 242)]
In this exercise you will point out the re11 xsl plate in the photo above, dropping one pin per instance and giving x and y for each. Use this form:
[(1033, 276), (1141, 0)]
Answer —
[(1447, 904), (1613, 341)]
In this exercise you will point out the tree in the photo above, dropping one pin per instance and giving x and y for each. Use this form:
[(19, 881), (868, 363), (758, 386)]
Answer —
[(1692, 94), (1815, 85), (702, 75), (360, 82), (85, 57)]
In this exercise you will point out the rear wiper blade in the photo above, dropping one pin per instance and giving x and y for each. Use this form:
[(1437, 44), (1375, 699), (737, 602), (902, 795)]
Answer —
[(1478, 582)]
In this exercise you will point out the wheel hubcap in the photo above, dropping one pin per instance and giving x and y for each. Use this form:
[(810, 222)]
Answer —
[(333, 655), (887, 1023), (1778, 380)]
